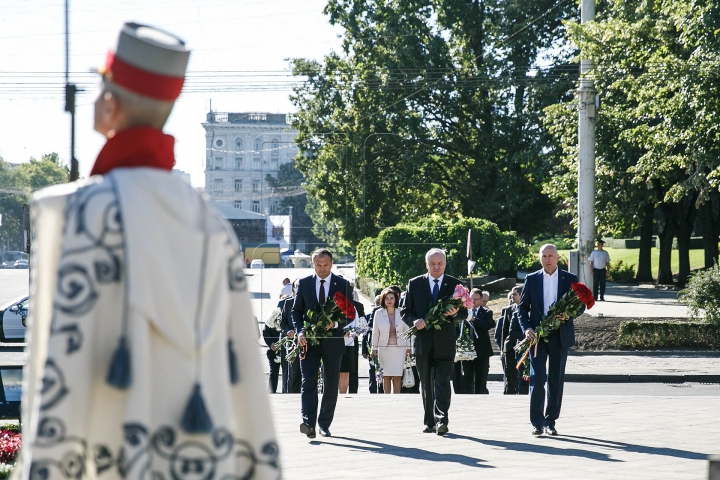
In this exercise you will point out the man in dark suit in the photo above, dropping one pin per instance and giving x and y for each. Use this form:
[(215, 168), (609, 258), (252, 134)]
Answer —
[(373, 384), (515, 335), (291, 371), (434, 349), (481, 322), (506, 344), (541, 290), (313, 291)]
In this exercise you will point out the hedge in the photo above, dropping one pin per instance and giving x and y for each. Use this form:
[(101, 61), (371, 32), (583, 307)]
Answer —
[(668, 335), (398, 253)]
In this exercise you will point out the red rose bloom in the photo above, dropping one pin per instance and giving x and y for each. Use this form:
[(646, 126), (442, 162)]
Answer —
[(584, 294), (345, 305)]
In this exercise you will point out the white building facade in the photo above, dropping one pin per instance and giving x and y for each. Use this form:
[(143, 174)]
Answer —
[(241, 150)]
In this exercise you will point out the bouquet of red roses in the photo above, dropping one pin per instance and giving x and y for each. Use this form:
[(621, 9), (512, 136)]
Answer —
[(335, 309), (568, 306)]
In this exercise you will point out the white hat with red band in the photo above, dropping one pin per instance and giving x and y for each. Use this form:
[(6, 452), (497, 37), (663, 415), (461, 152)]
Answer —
[(147, 61)]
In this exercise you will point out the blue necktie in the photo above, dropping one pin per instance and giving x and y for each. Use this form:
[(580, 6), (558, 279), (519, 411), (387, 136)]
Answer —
[(436, 291)]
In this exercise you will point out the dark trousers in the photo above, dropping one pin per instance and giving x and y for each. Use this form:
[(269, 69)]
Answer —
[(464, 377), (354, 380), (599, 281), (274, 371), (435, 372), (310, 366), (292, 377), (372, 380), (552, 354), (482, 368), (510, 374)]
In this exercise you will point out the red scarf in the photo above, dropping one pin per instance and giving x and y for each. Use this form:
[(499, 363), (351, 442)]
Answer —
[(136, 147)]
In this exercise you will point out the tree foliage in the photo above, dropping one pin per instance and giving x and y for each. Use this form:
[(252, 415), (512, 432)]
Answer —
[(398, 253), (658, 131), (17, 183), (431, 106)]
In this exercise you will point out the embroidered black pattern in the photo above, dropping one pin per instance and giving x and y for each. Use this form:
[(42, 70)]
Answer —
[(166, 454)]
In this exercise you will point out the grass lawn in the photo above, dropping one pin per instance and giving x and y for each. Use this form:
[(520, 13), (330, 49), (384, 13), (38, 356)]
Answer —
[(630, 256)]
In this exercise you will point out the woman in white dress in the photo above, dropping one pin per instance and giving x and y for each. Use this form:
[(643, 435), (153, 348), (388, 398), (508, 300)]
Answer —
[(387, 344)]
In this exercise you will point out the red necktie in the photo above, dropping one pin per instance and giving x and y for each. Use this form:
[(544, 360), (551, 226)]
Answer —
[(321, 297)]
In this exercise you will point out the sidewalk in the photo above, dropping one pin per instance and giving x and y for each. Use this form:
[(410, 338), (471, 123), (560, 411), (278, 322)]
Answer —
[(638, 301), (601, 437)]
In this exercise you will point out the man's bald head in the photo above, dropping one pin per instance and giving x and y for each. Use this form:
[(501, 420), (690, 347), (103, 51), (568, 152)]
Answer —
[(549, 258)]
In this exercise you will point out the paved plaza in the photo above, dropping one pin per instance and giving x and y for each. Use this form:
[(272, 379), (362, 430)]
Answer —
[(601, 437)]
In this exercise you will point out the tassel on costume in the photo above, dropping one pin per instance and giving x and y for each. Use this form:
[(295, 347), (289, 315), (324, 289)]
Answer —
[(196, 418), (119, 373), (232, 356)]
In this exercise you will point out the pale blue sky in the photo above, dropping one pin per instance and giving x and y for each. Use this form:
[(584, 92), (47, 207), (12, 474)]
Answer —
[(225, 35)]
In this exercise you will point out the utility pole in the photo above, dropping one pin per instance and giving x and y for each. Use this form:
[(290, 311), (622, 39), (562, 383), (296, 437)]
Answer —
[(70, 92), (587, 110)]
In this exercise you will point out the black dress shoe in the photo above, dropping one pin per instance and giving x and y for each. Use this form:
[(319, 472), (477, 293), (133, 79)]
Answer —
[(429, 430), (551, 431), (324, 432), (441, 429), (537, 431), (307, 430)]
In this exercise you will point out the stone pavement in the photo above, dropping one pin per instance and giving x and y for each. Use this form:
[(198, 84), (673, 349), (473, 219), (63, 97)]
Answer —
[(639, 301), (601, 437)]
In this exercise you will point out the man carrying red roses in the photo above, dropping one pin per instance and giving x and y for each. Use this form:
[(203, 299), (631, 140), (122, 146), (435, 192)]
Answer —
[(547, 360)]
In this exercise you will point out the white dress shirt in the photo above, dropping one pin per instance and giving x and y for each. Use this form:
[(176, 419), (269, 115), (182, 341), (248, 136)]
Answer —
[(599, 259), (550, 289), (327, 289), (431, 280), (327, 279)]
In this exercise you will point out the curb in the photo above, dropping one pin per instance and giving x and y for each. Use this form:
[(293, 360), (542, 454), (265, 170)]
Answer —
[(625, 378)]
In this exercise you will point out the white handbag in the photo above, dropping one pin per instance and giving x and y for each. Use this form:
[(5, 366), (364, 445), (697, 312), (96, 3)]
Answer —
[(408, 379)]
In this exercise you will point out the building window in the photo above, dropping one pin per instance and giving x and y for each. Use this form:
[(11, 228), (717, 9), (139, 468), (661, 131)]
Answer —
[(218, 184), (219, 143), (238, 185), (219, 161), (273, 207), (275, 149), (257, 146), (239, 145), (238, 163), (256, 163), (238, 203), (256, 206), (256, 186)]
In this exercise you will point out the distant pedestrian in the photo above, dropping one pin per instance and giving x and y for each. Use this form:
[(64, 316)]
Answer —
[(366, 347), (599, 266), (481, 321)]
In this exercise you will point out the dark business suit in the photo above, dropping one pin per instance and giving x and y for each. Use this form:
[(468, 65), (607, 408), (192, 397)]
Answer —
[(553, 352), (434, 349), (354, 381), (330, 350), (515, 334), (507, 354), (373, 384), (480, 333), (271, 337), (291, 371)]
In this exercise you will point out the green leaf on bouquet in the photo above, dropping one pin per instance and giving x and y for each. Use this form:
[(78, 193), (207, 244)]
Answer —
[(437, 327)]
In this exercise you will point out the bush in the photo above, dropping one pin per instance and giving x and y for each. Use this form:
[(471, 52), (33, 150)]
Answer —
[(702, 294), (561, 243), (668, 335), (398, 253), (621, 272)]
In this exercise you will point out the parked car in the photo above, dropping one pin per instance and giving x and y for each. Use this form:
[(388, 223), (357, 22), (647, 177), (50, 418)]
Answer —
[(13, 318), (22, 263), (11, 256), (257, 263)]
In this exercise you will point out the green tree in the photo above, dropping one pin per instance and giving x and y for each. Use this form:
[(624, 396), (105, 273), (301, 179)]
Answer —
[(656, 71), (17, 183), (430, 107)]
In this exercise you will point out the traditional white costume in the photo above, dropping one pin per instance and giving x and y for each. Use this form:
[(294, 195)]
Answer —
[(137, 259)]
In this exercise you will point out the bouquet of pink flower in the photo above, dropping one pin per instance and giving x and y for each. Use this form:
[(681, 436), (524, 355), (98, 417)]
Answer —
[(435, 317)]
